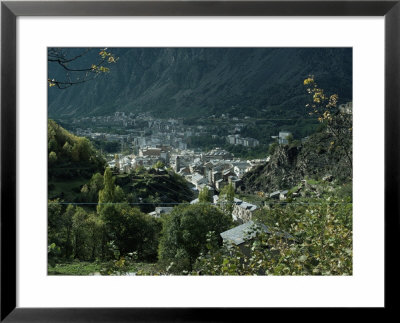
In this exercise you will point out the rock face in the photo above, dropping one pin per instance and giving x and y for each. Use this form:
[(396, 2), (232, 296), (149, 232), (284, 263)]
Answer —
[(315, 158), (203, 81)]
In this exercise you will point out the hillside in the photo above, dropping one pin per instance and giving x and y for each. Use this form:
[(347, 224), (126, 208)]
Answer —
[(190, 82), (71, 161), (316, 158), (154, 187), (70, 155)]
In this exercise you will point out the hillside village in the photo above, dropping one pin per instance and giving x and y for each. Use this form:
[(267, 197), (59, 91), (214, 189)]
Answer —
[(212, 170), (166, 140), (214, 173)]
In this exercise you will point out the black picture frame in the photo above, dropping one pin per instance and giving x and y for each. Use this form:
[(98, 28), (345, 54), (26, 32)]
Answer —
[(10, 10)]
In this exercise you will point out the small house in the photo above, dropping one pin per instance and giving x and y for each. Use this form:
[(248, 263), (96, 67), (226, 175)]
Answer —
[(242, 234)]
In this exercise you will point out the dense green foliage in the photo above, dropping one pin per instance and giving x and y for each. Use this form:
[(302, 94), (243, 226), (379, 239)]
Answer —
[(226, 199), (90, 191), (184, 234), (205, 195), (156, 186), (130, 229), (86, 234), (70, 155), (72, 162), (320, 243)]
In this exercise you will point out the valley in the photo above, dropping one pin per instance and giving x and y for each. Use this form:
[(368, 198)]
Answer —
[(201, 161)]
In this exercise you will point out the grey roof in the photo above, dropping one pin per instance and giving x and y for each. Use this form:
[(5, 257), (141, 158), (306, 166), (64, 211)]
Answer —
[(245, 205), (243, 232), (248, 206), (241, 164)]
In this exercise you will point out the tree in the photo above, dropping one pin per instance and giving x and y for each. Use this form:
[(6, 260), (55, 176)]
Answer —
[(159, 165), (60, 227), (91, 190), (95, 228), (75, 65), (325, 107), (80, 233), (106, 195), (321, 243), (136, 232), (52, 157), (205, 196), (68, 223), (184, 233), (54, 223), (227, 197), (106, 209), (67, 149)]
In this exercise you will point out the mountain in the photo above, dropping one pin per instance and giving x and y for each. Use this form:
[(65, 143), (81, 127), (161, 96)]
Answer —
[(204, 81)]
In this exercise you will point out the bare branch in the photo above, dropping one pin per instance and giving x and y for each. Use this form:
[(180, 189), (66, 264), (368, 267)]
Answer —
[(77, 75)]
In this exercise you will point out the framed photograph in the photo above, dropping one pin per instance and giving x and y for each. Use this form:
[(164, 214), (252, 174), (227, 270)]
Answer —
[(172, 160)]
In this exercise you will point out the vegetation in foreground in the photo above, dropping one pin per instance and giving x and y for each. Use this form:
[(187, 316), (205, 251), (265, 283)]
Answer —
[(185, 242)]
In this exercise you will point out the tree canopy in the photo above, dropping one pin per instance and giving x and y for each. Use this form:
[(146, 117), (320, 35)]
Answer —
[(184, 233)]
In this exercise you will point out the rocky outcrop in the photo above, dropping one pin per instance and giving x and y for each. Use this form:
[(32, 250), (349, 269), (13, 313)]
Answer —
[(316, 158)]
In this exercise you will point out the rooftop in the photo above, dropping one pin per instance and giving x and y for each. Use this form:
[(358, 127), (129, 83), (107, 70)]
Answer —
[(243, 232)]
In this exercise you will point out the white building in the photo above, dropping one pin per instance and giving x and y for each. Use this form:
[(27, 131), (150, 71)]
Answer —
[(241, 168), (283, 137), (242, 211)]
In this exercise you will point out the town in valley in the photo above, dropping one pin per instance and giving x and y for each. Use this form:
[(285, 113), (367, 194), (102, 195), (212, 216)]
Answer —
[(255, 178)]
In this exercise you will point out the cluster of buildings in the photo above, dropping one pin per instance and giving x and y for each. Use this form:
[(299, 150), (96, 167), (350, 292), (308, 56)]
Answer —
[(146, 157), (120, 119), (238, 140), (102, 135), (214, 169), (166, 140), (143, 130)]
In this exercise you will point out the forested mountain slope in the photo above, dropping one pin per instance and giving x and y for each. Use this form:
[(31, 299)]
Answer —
[(259, 82)]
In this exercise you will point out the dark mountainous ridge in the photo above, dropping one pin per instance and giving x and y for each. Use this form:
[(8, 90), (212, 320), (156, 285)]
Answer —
[(205, 81)]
